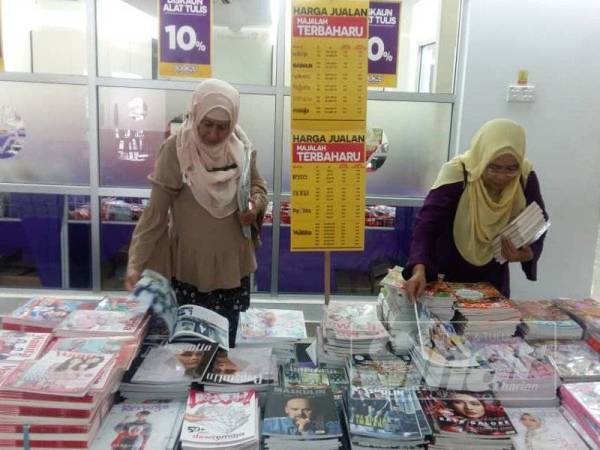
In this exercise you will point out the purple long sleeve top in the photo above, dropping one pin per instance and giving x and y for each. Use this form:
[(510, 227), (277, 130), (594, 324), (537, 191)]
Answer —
[(433, 243)]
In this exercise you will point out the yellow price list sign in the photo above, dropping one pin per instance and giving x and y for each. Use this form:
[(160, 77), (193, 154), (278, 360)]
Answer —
[(329, 60), (328, 191)]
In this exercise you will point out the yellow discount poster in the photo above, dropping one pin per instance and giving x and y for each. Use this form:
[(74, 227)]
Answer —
[(329, 102), (328, 190)]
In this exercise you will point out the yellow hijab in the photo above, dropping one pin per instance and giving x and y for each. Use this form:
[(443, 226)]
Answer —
[(479, 215)]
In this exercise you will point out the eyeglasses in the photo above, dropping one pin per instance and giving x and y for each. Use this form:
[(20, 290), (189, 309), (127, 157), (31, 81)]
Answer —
[(510, 171)]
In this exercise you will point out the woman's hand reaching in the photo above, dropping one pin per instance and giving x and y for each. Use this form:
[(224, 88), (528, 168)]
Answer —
[(415, 286), (514, 254)]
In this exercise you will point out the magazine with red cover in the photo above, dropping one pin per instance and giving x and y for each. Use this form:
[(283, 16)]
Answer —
[(124, 348), (466, 414), (17, 346), (63, 373)]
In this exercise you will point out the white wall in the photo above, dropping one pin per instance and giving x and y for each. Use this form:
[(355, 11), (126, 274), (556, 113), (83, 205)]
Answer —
[(558, 41)]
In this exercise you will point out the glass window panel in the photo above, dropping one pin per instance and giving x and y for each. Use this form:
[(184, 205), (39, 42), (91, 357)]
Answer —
[(118, 217), (418, 135), (79, 242), (421, 22), (387, 242), (135, 122), (38, 242), (44, 36), (244, 34), (43, 122)]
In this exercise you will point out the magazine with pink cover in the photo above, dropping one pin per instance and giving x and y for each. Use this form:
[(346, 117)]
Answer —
[(100, 322), (219, 419), (543, 311), (587, 400), (345, 320), (514, 359), (46, 312), (543, 428), (586, 311), (17, 346), (464, 413), (57, 372), (6, 368), (571, 358), (124, 304), (122, 347), (258, 324)]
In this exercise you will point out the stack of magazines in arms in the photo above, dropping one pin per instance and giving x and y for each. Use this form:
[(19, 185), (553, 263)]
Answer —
[(152, 425), (587, 314), (301, 419), (543, 319), (521, 377), (397, 312), (467, 420), (382, 371), (482, 310), (573, 360), (348, 328), (524, 229), (167, 371), (390, 418), (334, 378), (582, 401), (543, 428), (18, 346), (62, 396), (446, 359), (43, 314), (241, 369), (221, 421), (277, 328)]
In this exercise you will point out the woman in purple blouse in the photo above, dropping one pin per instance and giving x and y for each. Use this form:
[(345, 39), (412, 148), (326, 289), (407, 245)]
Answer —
[(475, 195)]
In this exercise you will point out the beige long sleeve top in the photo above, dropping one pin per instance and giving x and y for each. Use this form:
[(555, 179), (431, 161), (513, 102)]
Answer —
[(177, 237)]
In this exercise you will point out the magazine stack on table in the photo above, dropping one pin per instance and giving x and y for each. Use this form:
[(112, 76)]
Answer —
[(587, 314), (152, 425), (17, 345), (446, 359), (582, 400), (543, 319), (439, 299), (379, 417), (62, 396), (43, 314), (348, 328), (301, 419), (123, 348), (241, 369), (467, 420), (482, 310), (543, 428), (280, 329), (382, 371), (397, 312), (96, 323), (521, 376), (167, 371), (296, 377), (575, 361), (221, 421)]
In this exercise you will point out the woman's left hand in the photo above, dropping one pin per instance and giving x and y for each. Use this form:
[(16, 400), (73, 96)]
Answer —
[(514, 254), (248, 217)]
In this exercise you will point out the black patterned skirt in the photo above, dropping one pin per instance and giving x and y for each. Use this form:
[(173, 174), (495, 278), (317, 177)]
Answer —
[(226, 302)]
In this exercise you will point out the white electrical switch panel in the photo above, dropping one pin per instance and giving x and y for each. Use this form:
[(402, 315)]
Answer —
[(523, 93)]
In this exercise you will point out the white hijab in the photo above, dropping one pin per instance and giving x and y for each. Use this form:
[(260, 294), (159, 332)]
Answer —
[(215, 190)]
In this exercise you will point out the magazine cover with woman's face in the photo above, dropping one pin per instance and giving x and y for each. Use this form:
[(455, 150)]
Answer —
[(464, 412)]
